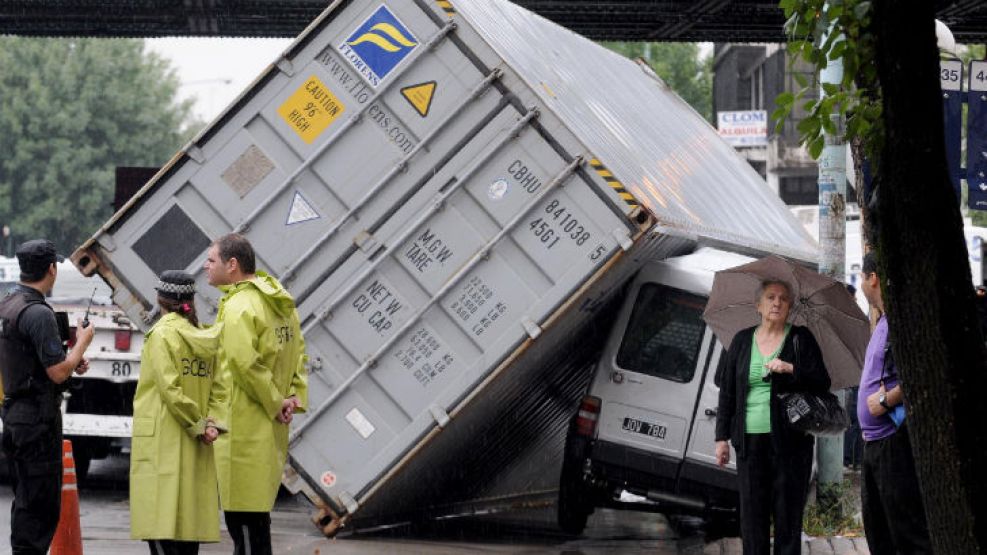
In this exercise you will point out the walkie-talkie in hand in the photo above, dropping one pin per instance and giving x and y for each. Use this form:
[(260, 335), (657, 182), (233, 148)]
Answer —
[(85, 319)]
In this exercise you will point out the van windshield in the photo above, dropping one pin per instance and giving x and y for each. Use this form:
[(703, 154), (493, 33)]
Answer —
[(664, 333)]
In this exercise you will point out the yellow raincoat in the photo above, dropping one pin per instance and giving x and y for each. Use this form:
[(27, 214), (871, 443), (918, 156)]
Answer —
[(262, 362), (172, 473)]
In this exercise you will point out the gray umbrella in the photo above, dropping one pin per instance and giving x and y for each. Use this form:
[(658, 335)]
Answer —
[(819, 302)]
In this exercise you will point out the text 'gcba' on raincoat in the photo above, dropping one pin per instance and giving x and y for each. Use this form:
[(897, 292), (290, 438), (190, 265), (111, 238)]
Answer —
[(262, 362), (172, 473)]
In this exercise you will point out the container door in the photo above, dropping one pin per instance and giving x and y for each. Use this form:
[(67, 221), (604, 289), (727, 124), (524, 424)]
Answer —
[(650, 395), (702, 441)]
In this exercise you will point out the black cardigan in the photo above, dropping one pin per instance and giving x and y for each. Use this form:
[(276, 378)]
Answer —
[(732, 377)]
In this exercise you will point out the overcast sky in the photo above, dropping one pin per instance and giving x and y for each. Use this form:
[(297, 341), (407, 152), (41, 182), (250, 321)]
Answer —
[(215, 70)]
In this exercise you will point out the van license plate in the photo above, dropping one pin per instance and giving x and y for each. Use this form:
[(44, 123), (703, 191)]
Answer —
[(646, 428)]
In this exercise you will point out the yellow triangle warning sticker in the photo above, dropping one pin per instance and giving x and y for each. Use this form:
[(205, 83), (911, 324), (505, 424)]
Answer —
[(420, 96)]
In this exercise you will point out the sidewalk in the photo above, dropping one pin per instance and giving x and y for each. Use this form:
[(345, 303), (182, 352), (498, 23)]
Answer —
[(810, 546), (831, 545)]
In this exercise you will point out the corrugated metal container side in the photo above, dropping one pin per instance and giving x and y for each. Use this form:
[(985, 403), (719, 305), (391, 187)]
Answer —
[(663, 152), (446, 189), (504, 443)]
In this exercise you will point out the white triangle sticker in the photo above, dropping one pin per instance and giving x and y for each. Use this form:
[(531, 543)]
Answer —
[(301, 210)]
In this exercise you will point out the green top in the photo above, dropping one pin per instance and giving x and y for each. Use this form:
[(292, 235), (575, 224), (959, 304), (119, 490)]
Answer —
[(759, 394)]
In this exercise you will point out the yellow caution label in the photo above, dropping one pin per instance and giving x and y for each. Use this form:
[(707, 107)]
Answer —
[(612, 181), (420, 96), (446, 6), (311, 109)]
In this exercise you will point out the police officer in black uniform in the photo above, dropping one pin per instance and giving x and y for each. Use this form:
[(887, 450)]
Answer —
[(33, 364)]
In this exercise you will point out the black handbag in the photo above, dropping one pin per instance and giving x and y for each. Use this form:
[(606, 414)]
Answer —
[(819, 414)]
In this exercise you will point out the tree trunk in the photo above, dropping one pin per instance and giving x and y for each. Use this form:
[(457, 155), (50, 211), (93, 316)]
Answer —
[(927, 284)]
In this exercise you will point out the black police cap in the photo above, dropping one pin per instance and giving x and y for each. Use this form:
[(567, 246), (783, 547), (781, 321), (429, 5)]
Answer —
[(176, 284), (36, 255)]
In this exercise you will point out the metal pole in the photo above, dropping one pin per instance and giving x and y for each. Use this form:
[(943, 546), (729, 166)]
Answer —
[(832, 260)]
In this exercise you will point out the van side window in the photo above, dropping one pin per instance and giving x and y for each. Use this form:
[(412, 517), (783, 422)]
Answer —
[(664, 333)]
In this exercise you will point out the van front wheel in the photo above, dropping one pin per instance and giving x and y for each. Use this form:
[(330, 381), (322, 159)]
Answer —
[(575, 504)]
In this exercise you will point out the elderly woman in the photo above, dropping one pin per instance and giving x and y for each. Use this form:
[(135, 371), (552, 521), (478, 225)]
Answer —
[(774, 462)]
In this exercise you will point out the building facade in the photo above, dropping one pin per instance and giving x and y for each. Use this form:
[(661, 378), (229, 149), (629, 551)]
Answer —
[(750, 77)]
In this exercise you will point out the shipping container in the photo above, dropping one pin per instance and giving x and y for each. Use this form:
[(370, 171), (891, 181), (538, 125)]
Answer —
[(453, 192)]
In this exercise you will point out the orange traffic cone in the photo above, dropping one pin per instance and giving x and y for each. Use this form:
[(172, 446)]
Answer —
[(68, 535)]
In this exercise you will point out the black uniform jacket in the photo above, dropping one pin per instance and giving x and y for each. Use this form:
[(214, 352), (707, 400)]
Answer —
[(732, 377)]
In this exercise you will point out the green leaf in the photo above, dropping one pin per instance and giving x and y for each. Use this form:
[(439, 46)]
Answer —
[(809, 127), (861, 11), (849, 81), (789, 27), (844, 106), (870, 73), (864, 128), (779, 123), (801, 79), (830, 88), (803, 30), (852, 125), (816, 147), (838, 49), (785, 99), (788, 6), (780, 114)]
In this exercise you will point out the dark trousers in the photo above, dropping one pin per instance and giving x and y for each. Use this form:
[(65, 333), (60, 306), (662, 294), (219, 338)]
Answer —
[(172, 547), (772, 484), (251, 532), (894, 516), (34, 458)]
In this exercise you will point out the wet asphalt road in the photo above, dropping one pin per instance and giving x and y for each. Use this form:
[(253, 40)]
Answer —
[(105, 529)]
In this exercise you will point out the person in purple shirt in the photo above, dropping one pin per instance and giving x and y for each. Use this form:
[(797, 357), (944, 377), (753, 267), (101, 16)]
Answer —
[(894, 516)]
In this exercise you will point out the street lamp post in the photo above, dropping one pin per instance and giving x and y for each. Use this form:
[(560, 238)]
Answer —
[(7, 247), (832, 262), (209, 82)]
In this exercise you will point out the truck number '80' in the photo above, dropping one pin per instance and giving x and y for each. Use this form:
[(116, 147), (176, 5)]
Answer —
[(119, 368)]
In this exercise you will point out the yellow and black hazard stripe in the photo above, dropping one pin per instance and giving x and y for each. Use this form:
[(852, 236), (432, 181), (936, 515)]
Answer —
[(612, 181), (446, 6)]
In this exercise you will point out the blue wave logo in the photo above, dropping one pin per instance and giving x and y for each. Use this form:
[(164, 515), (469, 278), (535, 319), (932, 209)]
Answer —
[(378, 45), (385, 36)]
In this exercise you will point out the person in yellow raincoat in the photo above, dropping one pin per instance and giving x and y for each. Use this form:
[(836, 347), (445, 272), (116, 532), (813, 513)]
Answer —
[(261, 357), (173, 488)]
